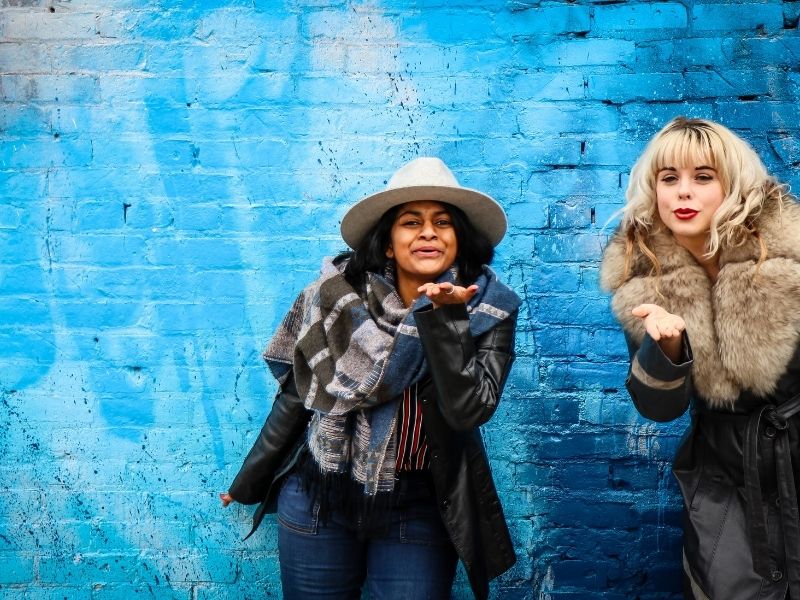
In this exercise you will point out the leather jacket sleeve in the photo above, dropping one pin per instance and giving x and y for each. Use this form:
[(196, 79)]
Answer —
[(469, 373), (285, 423), (659, 388)]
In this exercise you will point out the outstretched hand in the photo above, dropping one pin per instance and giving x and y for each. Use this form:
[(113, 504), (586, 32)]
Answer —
[(447, 293), (658, 322), (665, 328)]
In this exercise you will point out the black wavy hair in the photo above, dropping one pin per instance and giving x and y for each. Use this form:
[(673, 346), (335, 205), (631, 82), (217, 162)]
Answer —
[(474, 249)]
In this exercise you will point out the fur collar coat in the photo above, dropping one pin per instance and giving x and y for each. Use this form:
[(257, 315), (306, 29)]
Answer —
[(745, 328)]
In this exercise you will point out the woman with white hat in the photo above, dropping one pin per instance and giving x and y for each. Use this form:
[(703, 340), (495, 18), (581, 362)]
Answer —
[(388, 364)]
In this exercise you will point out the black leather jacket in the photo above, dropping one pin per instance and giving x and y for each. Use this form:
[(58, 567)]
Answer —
[(731, 466), (467, 376)]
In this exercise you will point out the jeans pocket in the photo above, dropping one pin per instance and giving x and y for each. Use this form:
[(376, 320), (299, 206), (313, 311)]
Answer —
[(296, 511), (423, 525)]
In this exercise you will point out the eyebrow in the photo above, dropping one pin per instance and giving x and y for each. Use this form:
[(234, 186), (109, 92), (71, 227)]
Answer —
[(700, 168), (418, 213)]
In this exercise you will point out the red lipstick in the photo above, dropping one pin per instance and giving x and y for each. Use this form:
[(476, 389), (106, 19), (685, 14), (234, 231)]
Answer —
[(685, 213)]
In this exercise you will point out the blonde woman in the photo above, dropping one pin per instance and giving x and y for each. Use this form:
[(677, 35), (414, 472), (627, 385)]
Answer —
[(705, 276)]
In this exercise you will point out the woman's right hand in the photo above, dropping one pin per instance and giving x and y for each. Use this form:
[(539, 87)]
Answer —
[(226, 499), (665, 328), (447, 293)]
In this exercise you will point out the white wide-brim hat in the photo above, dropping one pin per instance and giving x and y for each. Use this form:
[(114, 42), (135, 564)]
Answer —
[(425, 178)]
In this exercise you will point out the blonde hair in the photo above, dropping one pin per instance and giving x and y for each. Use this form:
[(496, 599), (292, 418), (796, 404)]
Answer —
[(683, 142)]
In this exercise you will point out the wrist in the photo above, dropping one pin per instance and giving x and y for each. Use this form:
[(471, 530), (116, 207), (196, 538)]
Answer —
[(671, 347)]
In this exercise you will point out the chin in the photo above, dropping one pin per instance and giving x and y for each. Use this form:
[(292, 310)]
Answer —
[(689, 231), (431, 275)]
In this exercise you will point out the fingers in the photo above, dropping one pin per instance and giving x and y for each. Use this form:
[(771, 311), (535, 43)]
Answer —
[(434, 289), (659, 323), (226, 499), (664, 327), (447, 293), (652, 329), (470, 292)]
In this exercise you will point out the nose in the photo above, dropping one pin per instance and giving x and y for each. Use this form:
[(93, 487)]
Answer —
[(684, 187), (428, 231)]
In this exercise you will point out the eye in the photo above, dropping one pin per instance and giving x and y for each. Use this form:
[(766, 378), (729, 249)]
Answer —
[(704, 177), (409, 222), (443, 222), (669, 178)]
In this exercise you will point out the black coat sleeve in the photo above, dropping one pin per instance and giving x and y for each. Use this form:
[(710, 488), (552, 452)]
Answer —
[(659, 388), (469, 374), (284, 425)]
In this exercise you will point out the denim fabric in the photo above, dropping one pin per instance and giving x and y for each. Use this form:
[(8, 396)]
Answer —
[(409, 556)]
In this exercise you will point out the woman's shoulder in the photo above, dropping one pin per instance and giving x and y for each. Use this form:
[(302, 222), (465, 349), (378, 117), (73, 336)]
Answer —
[(779, 226), (620, 251), (777, 223), (496, 292), (612, 266)]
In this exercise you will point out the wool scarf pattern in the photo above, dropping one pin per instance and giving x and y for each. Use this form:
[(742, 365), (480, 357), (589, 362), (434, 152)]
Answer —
[(353, 355)]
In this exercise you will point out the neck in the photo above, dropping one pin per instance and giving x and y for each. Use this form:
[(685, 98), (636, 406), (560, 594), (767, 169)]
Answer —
[(407, 289), (698, 248)]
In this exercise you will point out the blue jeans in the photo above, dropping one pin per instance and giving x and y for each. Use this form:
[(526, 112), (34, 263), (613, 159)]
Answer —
[(411, 558)]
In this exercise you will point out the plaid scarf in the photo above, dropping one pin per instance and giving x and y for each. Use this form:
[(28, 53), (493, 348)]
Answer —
[(352, 357)]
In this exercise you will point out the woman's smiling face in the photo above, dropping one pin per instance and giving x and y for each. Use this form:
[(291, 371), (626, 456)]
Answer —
[(423, 241)]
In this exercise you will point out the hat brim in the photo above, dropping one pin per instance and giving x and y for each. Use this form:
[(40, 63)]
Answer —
[(483, 211)]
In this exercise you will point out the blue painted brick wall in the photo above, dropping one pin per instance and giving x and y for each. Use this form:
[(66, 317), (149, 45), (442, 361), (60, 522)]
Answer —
[(172, 174)]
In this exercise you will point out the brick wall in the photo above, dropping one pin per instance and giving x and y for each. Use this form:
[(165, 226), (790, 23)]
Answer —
[(172, 174)]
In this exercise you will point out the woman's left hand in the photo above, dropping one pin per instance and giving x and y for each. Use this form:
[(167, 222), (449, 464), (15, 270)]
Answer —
[(447, 293)]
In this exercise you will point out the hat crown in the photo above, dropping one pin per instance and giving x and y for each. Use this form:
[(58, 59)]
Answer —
[(427, 171)]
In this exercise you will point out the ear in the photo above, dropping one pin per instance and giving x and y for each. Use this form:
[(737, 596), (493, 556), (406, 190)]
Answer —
[(389, 252)]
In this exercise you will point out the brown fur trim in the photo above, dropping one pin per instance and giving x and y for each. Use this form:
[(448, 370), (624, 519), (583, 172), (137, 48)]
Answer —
[(745, 329)]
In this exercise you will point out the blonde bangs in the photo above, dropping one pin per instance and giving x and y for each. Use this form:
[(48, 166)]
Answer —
[(682, 148)]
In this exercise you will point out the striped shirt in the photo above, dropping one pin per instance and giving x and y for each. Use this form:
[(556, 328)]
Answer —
[(412, 445)]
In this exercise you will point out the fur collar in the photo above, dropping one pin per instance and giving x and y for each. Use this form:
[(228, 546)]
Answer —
[(744, 329)]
